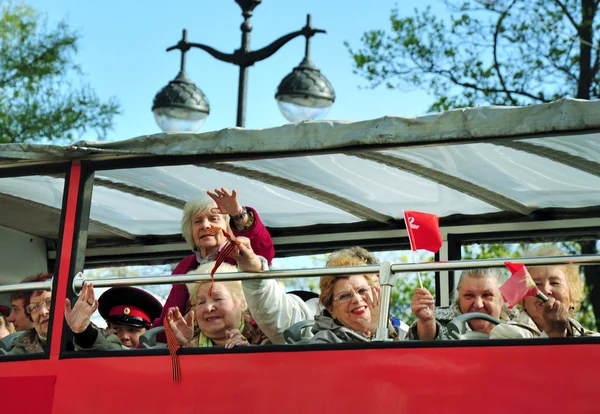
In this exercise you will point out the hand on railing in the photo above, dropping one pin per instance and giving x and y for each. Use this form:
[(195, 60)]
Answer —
[(78, 316), (235, 338), (183, 328)]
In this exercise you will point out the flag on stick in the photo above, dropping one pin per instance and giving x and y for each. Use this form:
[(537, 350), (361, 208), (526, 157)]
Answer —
[(519, 285), (423, 231)]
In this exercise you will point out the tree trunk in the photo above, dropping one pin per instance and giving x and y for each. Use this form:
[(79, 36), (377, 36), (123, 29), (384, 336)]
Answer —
[(592, 279), (585, 49)]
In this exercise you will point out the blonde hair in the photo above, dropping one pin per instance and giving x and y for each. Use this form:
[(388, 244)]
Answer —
[(4, 323), (353, 256), (571, 271), (233, 287), (200, 204)]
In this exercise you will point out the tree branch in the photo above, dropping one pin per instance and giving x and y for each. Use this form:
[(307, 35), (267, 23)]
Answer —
[(496, 64), (571, 19), (473, 86)]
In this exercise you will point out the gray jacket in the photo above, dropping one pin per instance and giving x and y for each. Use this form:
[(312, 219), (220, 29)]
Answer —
[(327, 331), (443, 316)]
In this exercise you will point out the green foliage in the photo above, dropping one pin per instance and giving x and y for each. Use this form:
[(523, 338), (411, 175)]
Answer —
[(497, 52), (403, 293), (39, 98)]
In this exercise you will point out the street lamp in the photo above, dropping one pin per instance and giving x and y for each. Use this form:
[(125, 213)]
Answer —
[(302, 95)]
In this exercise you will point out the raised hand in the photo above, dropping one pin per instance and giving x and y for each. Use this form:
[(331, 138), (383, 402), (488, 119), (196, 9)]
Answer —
[(78, 316), (556, 318), (245, 257), (374, 303), (235, 338), (423, 305), (183, 328), (227, 203)]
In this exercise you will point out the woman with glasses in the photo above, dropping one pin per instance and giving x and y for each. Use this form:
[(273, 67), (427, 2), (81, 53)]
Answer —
[(37, 309), (351, 305)]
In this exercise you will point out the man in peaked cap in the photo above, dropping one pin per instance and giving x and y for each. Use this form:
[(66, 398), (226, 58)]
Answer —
[(129, 312)]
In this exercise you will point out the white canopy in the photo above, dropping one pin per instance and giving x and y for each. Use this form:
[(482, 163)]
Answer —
[(480, 165)]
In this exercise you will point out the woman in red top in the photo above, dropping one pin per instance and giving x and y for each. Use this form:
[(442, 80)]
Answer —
[(219, 209)]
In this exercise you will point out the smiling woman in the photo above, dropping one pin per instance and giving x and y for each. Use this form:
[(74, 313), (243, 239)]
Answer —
[(219, 209), (352, 303), (222, 317), (554, 318)]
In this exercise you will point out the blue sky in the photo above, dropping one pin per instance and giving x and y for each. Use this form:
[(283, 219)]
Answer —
[(122, 52)]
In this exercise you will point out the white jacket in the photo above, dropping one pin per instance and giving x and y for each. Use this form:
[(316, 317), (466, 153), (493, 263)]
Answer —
[(524, 327), (274, 310)]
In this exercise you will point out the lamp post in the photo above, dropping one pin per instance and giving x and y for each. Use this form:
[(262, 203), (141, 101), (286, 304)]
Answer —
[(303, 94)]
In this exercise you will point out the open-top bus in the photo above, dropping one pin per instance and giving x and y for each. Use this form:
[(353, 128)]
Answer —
[(490, 174)]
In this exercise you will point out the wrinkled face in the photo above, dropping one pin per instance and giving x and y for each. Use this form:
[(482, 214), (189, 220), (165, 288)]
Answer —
[(201, 222), (480, 294), (39, 310), (18, 317), (217, 313), (128, 335), (552, 281), (350, 301)]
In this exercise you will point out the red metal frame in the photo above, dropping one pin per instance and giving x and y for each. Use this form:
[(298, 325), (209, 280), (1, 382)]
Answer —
[(391, 378), (537, 378)]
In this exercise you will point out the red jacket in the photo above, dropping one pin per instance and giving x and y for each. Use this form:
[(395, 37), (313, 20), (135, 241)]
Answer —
[(261, 243)]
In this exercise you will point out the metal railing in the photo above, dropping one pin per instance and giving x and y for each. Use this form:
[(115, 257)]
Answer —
[(333, 271), (388, 274)]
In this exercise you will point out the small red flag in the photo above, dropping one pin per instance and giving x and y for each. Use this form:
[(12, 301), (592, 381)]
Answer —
[(518, 286), (423, 231)]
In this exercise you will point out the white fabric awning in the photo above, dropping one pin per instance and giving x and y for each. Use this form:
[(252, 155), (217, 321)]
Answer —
[(471, 164)]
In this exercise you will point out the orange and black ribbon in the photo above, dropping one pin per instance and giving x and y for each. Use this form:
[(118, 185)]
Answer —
[(173, 348), (223, 253)]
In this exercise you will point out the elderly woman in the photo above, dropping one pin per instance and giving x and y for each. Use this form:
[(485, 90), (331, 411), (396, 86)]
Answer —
[(477, 291), (351, 303), (37, 308), (222, 317), (219, 209), (275, 310), (564, 288)]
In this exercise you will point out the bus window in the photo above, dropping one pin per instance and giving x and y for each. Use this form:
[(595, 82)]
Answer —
[(30, 214)]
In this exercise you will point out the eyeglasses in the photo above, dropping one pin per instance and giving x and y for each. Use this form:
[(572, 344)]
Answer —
[(35, 307), (362, 291)]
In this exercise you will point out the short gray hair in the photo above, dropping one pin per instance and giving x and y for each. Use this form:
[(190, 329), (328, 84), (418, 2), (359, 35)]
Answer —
[(492, 273), (200, 204)]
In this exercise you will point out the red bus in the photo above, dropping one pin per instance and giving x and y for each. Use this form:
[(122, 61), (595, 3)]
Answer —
[(492, 175)]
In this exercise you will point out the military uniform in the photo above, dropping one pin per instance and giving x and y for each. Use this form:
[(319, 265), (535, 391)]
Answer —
[(121, 305)]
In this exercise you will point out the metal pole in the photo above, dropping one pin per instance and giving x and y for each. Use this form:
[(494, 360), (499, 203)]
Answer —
[(246, 28), (331, 271), (387, 283), (242, 91), (27, 287)]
